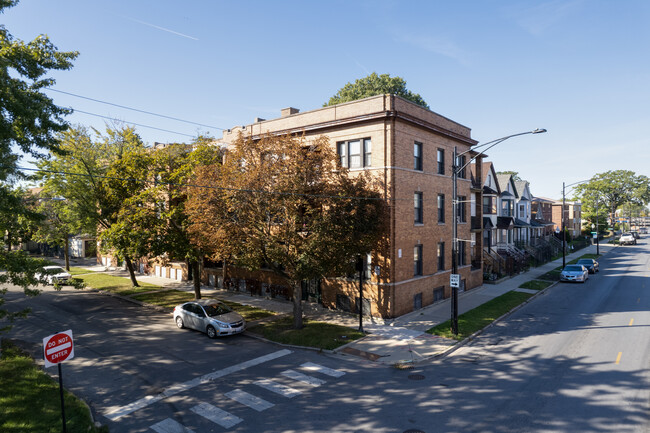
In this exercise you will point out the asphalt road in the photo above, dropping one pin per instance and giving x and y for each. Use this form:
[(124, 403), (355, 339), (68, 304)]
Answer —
[(573, 360)]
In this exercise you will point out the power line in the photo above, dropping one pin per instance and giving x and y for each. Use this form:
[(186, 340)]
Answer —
[(134, 109), (132, 123), (202, 186)]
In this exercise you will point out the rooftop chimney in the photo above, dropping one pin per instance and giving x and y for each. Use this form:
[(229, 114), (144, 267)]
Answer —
[(289, 111)]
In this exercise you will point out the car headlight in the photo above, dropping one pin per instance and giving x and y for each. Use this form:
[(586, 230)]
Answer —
[(221, 324)]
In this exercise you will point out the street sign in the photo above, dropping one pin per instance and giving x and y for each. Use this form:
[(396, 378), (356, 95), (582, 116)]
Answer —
[(454, 280), (57, 348)]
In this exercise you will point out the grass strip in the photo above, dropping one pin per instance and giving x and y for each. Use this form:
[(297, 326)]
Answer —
[(535, 284), (118, 285), (30, 399), (172, 298), (75, 270), (313, 334), (481, 316)]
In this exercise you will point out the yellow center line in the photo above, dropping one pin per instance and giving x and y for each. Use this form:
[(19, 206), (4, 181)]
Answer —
[(618, 358), (631, 322)]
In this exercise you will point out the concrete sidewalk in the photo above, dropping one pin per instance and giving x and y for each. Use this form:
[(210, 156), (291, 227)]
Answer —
[(402, 340)]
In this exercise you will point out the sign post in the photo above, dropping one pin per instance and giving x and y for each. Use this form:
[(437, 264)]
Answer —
[(56, 349)]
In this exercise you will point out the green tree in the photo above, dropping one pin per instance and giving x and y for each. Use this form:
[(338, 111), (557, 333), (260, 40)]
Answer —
[(287, 205), (373, 85), (29, 121), (57, 224), (96, 175), (609, 191)]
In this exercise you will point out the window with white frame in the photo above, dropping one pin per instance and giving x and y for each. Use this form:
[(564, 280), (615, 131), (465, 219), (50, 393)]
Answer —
[(355, 153)]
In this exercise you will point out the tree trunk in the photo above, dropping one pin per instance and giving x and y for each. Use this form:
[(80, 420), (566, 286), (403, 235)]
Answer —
[(223, 275), (196, 270), (66, 253), (129, 266), (297, 304)]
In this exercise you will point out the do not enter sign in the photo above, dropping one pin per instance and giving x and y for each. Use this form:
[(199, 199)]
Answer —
[(57, 348)]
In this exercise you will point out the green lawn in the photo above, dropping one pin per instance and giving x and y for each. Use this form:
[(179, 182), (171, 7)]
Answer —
[(75, 270), (30, 399), (171, 298), (481, 316), (313, 334), (118, 285), (535, 284)]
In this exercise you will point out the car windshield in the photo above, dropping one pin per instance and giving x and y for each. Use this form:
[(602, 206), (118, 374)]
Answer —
[(218, 309), (573, 268)]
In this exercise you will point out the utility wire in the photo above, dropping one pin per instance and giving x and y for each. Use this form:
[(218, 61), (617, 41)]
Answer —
[(134, 109), (132, 123), (201, 186)]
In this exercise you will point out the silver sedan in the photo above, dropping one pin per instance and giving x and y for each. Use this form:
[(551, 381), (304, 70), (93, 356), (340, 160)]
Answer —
[(574, 273), (210, 316)]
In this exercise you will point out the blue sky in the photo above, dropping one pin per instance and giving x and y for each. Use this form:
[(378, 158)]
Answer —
[(579, 68)]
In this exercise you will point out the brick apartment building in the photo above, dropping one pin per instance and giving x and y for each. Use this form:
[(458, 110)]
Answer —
[(410, 149)]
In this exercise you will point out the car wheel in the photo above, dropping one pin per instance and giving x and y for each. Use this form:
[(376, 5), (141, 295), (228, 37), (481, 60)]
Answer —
[(212, 333), (179, 322)]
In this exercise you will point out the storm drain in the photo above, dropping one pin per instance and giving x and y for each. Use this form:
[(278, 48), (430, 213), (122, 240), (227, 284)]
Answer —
[(416, 376)]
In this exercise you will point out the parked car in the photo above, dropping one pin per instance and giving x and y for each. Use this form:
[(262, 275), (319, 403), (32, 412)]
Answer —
[(210, 316), (643, 230), (53, 274), (574, 273), (627, 239), (591, 265)]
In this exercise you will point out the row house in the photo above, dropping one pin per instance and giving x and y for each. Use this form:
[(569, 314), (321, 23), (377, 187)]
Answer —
[(570, 213), (410, 149)]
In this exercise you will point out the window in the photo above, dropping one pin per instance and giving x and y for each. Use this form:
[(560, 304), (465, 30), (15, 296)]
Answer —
[(419, 218), (461, 254), (417, 156), (441, 256), (522, 211), (350, 153), (489, 205), (367, 152), (461, 209), (441, 208), (438, 294), (507, 208), (460, 164), (441, 161), (417, 260)]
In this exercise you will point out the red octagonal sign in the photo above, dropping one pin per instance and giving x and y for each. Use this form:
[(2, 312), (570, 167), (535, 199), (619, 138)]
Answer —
[(57, 348)]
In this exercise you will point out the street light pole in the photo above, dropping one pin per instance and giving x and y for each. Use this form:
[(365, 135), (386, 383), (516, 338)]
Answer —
[(455, 170), (563, 230)]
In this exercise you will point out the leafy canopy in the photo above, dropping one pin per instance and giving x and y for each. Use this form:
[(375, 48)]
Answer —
[(373, 85)]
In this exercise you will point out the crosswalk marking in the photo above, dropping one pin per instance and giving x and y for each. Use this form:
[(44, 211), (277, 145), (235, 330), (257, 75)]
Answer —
[(216, 415), (170, 426), (321, 369), (116, 412), (249, 400), (295, 375), (277, 388)]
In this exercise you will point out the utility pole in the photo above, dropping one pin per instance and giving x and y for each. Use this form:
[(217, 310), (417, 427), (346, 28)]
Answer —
[(563, 230)]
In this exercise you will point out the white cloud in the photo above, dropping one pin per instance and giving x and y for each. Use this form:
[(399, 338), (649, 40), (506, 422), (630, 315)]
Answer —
[(537, 19), (437, 45)]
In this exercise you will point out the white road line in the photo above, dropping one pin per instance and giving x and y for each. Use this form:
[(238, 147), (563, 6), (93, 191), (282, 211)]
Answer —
[(170, 426), (295, 375), (116, 412), (277, 388), (249, 400), (216, 415), (321, 369)]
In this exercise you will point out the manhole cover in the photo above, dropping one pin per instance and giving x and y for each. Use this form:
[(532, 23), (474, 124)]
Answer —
[(415, 377)]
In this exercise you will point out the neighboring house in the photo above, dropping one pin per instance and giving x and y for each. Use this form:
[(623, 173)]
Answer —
[(506, 209), (490, 196), (542, 217), (523, 209), (570, 213), (410, 148)]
